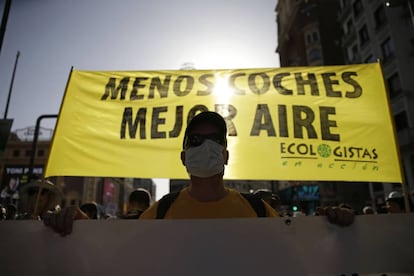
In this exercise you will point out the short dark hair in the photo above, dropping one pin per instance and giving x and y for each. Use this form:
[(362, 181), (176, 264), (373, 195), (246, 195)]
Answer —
[(207, 117), (140, 195), (91, 209)]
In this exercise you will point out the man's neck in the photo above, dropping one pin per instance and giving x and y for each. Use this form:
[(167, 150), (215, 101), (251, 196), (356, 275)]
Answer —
[(207, 189)]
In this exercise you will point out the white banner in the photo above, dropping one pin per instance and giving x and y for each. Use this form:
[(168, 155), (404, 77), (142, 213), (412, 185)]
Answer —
[(374, 245)]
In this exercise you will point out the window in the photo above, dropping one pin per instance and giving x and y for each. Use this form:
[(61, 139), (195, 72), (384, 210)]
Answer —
[(314, 54), (394, 85), (16, 153), (349, 26), (401, 121), (315, 37), (354, 54), (40, 153), (342, 4), (387, 49), (28, 152), (308, 39), (357, 7), (380, 17), (312, 37), (363, 35), (370, 59)]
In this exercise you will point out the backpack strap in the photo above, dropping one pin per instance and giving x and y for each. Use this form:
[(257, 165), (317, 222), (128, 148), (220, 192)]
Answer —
[(256, 203), (164, 204)]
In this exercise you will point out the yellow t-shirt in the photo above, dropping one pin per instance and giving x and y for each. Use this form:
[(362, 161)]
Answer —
[(233, 205)]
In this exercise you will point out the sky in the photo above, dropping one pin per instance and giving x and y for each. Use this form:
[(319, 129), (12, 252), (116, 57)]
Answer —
[(54, 35)]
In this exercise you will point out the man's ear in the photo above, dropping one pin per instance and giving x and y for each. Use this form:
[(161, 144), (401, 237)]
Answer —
[(183, 157), (226, 157)]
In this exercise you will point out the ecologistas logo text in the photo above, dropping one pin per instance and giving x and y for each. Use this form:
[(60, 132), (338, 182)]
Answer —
[(338, 156)]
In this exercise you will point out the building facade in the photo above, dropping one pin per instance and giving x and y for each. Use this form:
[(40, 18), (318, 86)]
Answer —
[(329, 32), (308, 34), (384, 30)]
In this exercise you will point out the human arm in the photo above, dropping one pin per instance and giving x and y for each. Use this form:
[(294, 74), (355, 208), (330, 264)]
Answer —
[(62, 222), (337, 215)]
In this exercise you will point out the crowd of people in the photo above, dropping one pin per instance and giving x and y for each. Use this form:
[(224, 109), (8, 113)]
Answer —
[(41, 197), (35, 198), (139, 200)]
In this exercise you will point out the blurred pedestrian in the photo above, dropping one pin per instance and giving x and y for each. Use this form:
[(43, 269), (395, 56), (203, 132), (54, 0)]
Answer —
[(10, 193), (11, 211), (138, 201), (368, 210), (90, 209), (37, 198), (395, 203), (269, 197), (2, 212)]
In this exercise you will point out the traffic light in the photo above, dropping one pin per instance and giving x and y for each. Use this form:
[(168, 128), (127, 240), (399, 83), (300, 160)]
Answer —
[(294, 208)]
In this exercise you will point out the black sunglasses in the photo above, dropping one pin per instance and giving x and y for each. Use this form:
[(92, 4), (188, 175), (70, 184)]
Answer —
[(194, 140)]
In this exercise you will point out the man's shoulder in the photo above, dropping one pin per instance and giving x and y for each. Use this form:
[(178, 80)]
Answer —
[(160, 207), (261, 208)]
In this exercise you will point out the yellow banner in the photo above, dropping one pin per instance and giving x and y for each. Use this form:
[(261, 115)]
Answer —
[(297, 123)]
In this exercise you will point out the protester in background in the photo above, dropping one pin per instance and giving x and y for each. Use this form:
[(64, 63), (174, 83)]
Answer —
[(368, 210), (347, 206), (10, 193), (2, 212), (138, 201), (269, 197), (11, 212), (395, 203), (91, 210), (37, 198), (204, 155)]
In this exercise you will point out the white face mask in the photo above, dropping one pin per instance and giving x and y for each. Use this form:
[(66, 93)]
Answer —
[(205, 160)]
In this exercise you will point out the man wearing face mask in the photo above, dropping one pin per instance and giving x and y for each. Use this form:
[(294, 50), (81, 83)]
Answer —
[(204, 155)]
